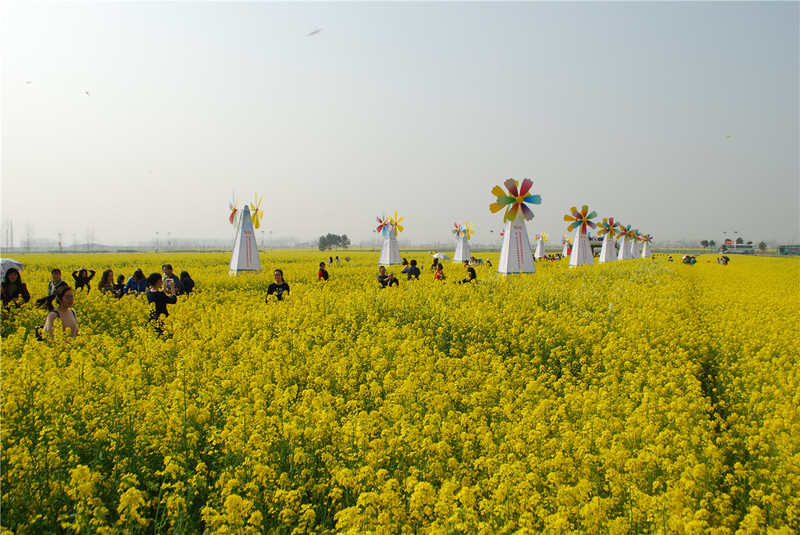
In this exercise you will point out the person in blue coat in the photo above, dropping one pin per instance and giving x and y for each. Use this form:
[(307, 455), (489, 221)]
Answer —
[(136, 284)]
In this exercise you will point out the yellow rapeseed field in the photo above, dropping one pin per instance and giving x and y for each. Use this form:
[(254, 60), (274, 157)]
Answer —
[(639, 396)]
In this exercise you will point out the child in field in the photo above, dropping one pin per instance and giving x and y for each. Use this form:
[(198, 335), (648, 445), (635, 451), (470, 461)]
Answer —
[(322, 274), (386, 279)]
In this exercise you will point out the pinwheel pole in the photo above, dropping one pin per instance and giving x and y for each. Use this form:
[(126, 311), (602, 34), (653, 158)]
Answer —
[(635, 237), (646, 246), (539, 247), (515, 255), (608, 228), (581, 248), (462, 253), (463, 232), (390, 251), (567, 247), (624, 246), (607, 251), (245, 250)]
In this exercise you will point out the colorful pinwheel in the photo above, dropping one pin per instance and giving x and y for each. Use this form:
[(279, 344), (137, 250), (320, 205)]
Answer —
[(234, 208), (626, 232), (608, 227), (647, 238), (566, 240), (582, 219), (256, 212), (636, 236), (384, 226), (397, 228), (464, 230), (515, 199), (543, 235)]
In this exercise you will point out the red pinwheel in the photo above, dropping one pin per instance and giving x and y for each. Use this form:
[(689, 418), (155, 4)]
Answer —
[(384, 226), (516, 199), (582, 219)]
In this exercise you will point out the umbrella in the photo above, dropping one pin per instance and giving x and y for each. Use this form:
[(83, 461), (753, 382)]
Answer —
[(441, 256), (8, 263)]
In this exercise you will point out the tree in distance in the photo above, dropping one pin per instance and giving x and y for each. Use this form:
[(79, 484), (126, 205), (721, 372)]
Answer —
[(333, 241)]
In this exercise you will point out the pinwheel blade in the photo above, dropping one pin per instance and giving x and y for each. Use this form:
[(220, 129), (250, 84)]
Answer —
[(533, 199), (527, 213), (511, 186), (526, 187), (511, 214), (495, 207)]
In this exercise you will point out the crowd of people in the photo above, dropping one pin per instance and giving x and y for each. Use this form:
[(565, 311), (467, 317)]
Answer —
[(60, 296)]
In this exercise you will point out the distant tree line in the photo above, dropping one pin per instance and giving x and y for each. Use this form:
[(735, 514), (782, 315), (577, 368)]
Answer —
[(333, 241)]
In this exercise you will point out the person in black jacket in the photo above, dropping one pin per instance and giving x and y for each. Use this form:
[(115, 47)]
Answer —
[(279, 288), (13, 289), (159, 299), (82, 278), (187, 282)]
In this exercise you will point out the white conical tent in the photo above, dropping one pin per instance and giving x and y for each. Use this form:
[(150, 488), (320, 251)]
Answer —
[(515, 256), (539, 248), (581, 250), (390, 252), (245, 250), (462, 253), (607, 251), (624, 248)]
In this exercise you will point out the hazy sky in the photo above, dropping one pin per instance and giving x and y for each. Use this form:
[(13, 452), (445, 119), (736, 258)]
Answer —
[(681, 119)]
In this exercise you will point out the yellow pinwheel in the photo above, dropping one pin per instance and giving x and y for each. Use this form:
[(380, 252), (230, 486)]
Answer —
[(397, 228), (256, 212)]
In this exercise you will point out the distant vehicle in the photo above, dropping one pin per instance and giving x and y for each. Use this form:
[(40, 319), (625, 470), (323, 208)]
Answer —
[(737, 248), (789, 249)]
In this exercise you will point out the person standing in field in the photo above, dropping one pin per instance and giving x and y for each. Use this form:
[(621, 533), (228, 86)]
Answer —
[(170, 275), (82, 278), (65, 298), (159, 299), (55, 283), (13, 289), (136, 284), (279, 287), (439, 276), (106, 283), (322, 274), (411, 270), (187, 282)]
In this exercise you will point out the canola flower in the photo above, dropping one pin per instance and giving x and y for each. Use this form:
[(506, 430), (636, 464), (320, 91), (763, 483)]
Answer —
[(636, 396)]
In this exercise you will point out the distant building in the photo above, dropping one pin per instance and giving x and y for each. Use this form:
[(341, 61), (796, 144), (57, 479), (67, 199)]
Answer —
[(789, 250), (737, 248)]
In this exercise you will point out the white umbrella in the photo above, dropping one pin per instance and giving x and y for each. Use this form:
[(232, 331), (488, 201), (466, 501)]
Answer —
[(441, 256), (8, 263)]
